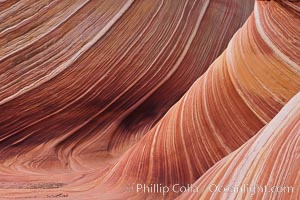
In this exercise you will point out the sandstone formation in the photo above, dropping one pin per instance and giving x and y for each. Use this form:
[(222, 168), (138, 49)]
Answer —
[(98, 96), (240, 93), (83, 80), (272, 172)]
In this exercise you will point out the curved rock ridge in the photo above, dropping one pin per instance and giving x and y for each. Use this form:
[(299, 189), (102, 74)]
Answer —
[(91, 97), (239, 94), (269, 163), (82, 80)]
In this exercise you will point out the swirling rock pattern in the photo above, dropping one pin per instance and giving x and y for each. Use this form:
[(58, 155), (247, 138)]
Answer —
[(78, 89), (86, 79), (239, 94), (260, 163)]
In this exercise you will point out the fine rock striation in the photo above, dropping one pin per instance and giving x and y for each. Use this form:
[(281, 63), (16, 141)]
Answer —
[(240, 93), (82, 80), (262, 162), (91, 97)]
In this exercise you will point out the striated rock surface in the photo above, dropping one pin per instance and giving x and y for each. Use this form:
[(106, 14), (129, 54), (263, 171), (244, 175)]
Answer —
[(240, 93), (82, 80), (269, 163)]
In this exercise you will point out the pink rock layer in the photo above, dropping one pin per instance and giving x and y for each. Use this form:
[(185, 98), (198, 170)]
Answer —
[(240, 93), (265, 167), (83, 80), (96, 103)]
